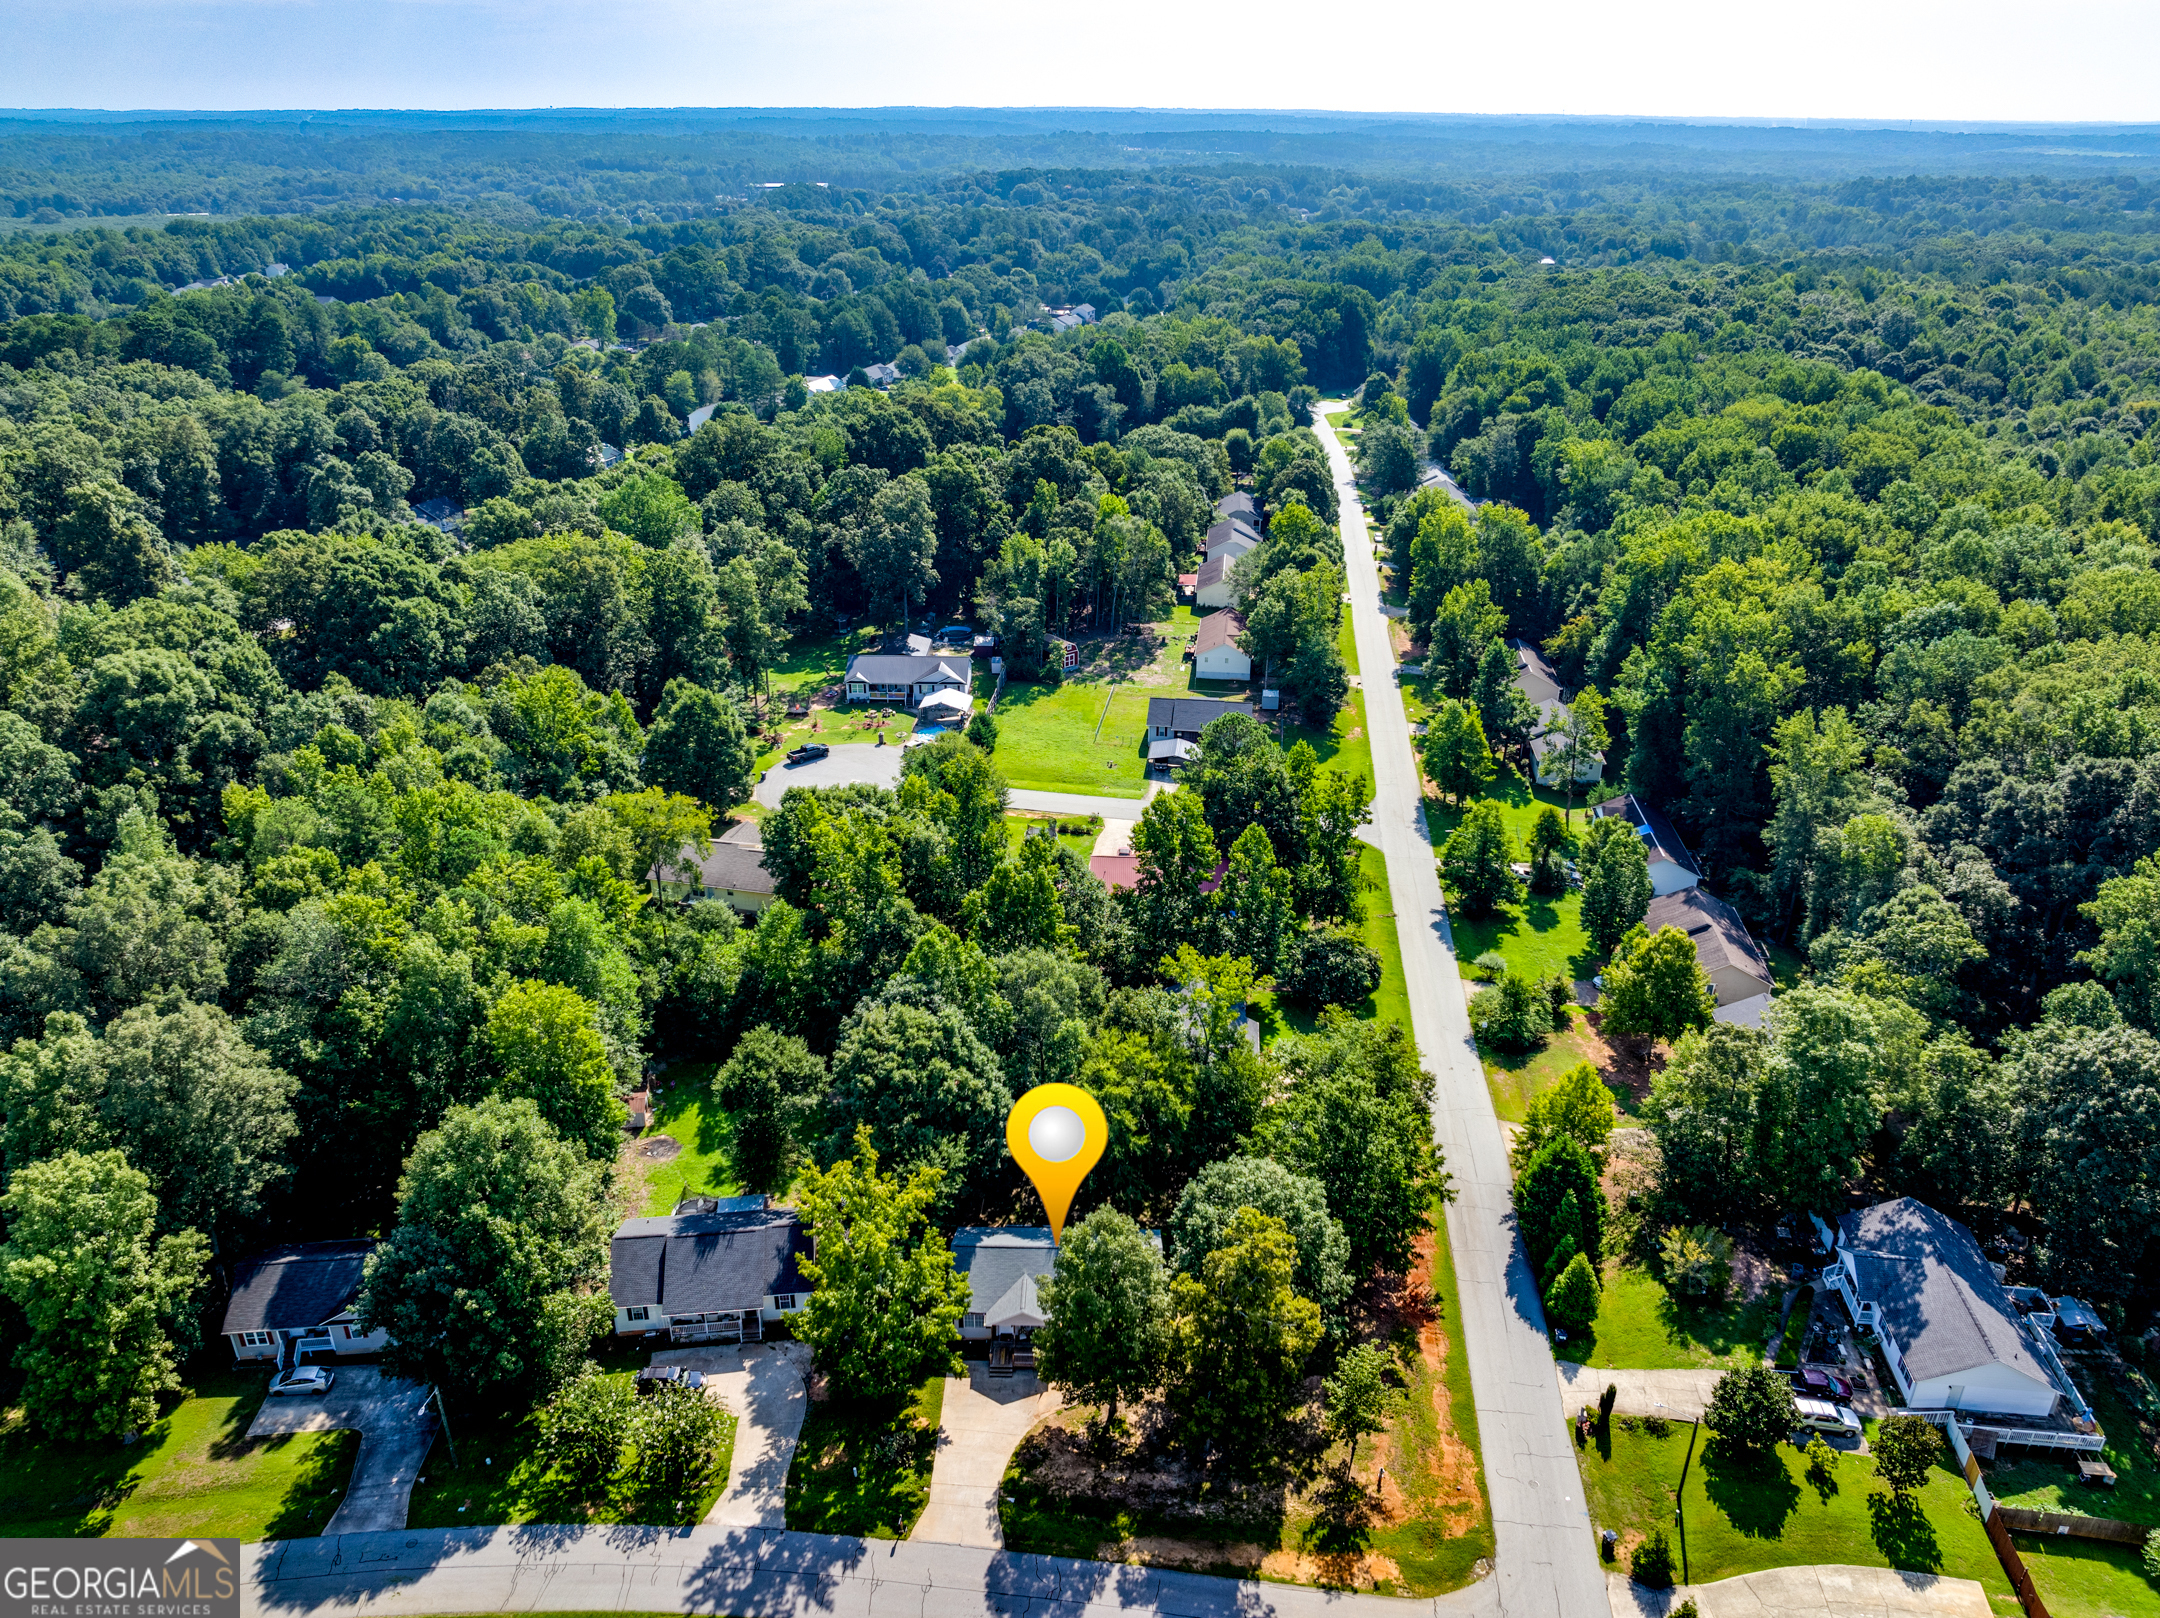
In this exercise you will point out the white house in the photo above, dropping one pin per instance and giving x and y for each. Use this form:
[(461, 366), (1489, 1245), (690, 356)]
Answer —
[(1231, 537), (1672, 867), (1534, 676), (890, 677), (1212, 587), (734, 872), (1728, 954), (1546, 739), (295, 1304), (1951, 1335), (1005, 1267), (708, 1277), (1216, 653)]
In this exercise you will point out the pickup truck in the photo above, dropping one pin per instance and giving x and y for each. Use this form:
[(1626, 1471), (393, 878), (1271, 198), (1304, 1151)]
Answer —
[(808, 751)]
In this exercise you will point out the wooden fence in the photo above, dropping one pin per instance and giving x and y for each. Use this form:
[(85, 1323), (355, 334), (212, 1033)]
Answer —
[(2063, 1522), (2014, 1565)]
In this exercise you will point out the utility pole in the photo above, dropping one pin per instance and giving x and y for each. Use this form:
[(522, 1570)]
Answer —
[(443, 1411)]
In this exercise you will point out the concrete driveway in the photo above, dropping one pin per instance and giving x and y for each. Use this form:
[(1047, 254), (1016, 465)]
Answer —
[(1809, 1592), (1676, 1395), (762, 1383), (395, 1432), (985, 1419)]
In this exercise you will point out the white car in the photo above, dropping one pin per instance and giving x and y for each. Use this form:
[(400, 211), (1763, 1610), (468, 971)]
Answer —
[(1821, 1416), (302, 1382)]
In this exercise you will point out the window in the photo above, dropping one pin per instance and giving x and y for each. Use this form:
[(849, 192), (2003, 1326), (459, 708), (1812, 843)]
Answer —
[(784, 1300), (256, 1339), (971, 1320), (641, 1312)]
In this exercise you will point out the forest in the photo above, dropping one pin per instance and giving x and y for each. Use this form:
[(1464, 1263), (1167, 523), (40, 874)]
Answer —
[(322, 822)]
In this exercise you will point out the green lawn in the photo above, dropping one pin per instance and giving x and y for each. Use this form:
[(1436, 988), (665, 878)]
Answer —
[(1345, 746), (1641, 1327), (1541, 936), (1513, 1078), (864, 1469), (1519, 803), (1346, 643), (1743, 1515), (192, 1473), (2088, 1578), (2037, 1484), (1391, 1001), (1080, 842), (1085, 736), (684, 1110), (502, 1476)]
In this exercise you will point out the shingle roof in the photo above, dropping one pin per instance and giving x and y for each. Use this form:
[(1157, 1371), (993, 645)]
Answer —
[(730, 865), (1003, 1265), (1660, 840), (1230, 532), (1217, 629), (1215, 571), (887, 668), (1237, 503), (1937, 1295), (1721, 938), (687, 1264), (288, 1288), (1534, 677), (1190, 713)]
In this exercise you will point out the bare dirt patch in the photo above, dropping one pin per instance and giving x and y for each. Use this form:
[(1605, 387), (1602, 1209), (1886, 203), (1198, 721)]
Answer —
[(659, 1148), (1626, 1065)]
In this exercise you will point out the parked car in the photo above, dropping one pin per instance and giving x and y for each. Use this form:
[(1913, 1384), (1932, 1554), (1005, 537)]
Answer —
[(1821, 1384), (303, 1382), (648, 1381), (808, 751), (1821, 1416)]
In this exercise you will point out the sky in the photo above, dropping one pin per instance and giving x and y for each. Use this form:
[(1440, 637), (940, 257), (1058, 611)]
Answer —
[(1882, 60)]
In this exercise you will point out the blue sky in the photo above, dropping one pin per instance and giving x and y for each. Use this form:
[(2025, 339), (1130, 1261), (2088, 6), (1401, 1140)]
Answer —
[(1893, 59)]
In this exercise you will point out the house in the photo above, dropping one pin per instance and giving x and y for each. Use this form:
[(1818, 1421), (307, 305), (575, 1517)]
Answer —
[(1216, 654), (1185, 717), (734, 872), (1231, 538), (1949, 1332), (1005, 1267), (1672, 867), (1547, 737), (295, 1304), (1240, 505), (824, 384), (442, 514), (903, 679), (708, 1277), (1123, 870), (1534, 677), (1731, 959), (882, 376), (1211, 588), (1086, 312)]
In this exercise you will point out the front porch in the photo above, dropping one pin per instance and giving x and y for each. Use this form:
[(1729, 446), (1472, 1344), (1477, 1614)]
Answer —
[(720, 1326)]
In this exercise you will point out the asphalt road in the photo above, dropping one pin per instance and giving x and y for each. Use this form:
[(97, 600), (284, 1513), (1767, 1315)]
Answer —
[(1546, 1562)]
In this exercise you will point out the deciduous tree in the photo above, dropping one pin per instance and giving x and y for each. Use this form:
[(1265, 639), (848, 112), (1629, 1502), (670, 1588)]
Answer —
[(1107, 1314)]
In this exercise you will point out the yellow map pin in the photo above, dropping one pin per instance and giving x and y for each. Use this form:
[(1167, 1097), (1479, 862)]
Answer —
[(1057, 1133)]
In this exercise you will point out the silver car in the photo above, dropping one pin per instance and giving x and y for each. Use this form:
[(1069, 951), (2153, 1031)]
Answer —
[(302, 1382)]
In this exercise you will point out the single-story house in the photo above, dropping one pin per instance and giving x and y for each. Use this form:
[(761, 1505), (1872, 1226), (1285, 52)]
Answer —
[(734, 872), (1005, 1267), (906, 680), (296, 1304), (1949, 1332), (1185, 717), (708, 1277), (1211, 588), (1545, 742), (1216, 653), (1534, 676), (1237, 503), (1729, 956), (1672, 867), (824, 384), (1116, 870), (1231, 538), (883, 375)]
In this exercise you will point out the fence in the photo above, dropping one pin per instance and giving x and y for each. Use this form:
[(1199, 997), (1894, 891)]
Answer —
[(2063, 1522), (2014, 1565)]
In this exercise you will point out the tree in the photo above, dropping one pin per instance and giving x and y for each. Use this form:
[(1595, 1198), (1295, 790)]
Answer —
[(894, 545), (1696, 1259), (926, 1087), (1210, 1203), (677, 1433), (1905, 1450), (1390, 455), (1651, 1565), (1456, 757), (2091, 1135), (1177, 853), (668, 832), (771, 1087), (104, 1302), (1239, 1341), (1257, 903), (1572, 1300), (1559, 1207), (1546, 845), (2127, 912), (885, 1301), (699, 747), (1513, 1015), (1464, 625), (1477, 861), (1373, 1154), (492, 1280), (1357, 1396), (1616, 891), (1822, 1098), (982, 730), (547, 1042), (1577, 1105), (1329, 967), (1106, 1310), (1580, 741), (1655, 988), (1751, 1408), (584, 1426)]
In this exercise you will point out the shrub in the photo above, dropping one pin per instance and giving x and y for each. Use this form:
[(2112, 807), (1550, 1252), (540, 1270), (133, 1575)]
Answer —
[(1697, 1260), (982, 731), (1906, 1449), (1328, 967), (583, 1427), (1512, 1015), (1572, 1301), (1561, 992), (2152, 1554), (1821, 1461), (1686, 1609), (678, 1438), (1652, 1564), (1493, 964)]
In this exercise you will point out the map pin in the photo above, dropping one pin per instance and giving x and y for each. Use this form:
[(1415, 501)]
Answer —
[(1057, 1133)]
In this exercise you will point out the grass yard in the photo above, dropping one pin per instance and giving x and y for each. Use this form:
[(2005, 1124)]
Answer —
[(1346, 642), (1746, 1514), (2088, 1578), (1513, 1078), (1541, 936), (503, 1476), (1390, 1002), (1082, 843), (2036, 1483), (1519, 803), (685, 1112), (1642, 1327), (192, 1473), (865, 1469), (1345, 746), (1079, 737)]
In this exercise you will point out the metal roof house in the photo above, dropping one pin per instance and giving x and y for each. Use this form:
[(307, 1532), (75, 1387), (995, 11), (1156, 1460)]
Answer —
[(707, 1277), (295, 1304), (1725, 950), (1672, 867), (905, 680)]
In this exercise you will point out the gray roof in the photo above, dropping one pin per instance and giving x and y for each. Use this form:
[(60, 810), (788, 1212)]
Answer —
[(1229, 531), (1237, 503), (291, 1288), (1660, 840), (689, 1264), (1215, 571), (1721, 938), (735, 866), (1937, 1295), (1189, 713), (1534, 677), (887, 668), (1005, 1266)]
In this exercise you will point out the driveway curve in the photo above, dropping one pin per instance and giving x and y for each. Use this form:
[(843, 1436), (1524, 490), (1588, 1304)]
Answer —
[(396, 1430), (985, 1418), (762, 1384)]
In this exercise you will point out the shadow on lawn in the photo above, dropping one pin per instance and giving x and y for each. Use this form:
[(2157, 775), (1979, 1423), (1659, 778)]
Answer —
[(316, 1484), (1902, 1532), (1750, 1487)]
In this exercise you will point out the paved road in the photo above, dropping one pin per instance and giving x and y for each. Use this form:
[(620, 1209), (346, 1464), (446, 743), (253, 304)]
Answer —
[(1811, 1592), (859, 761), (1546, 1564), (760, 1573), (984, 1420), (396, 1429)]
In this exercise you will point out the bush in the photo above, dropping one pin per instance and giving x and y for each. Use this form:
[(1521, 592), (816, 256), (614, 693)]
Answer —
[(1493, 964), (1572, 1302), (1513, 1015), (1686, 1609), (1697, 1260), (1561, 993), (1328, 967), (1821, 1461), (1652, 1564), (1752, 1408), (678, 1438), (583, 1427), (982, 731), (2152, 1554)]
